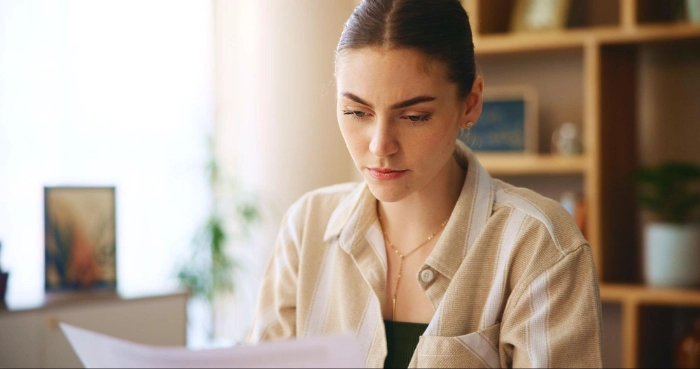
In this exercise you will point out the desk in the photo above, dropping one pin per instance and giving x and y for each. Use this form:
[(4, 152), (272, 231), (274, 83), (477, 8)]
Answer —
[(30, 337)]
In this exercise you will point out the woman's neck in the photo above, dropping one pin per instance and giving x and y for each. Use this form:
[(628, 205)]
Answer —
[(414, 218)]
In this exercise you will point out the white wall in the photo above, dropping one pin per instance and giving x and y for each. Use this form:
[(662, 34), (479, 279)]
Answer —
[(276, 123)]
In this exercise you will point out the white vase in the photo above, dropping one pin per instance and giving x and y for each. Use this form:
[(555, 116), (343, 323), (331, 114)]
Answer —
[(672, 255), (693, 9)]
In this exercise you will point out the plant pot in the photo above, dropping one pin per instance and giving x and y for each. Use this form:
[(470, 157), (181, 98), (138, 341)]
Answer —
[(3, 286), (672, 255)]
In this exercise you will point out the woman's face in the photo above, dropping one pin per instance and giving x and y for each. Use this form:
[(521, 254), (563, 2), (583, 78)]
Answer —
[(400, 117)]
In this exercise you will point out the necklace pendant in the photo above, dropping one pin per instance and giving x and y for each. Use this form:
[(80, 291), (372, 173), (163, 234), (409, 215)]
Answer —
[(401, 258)]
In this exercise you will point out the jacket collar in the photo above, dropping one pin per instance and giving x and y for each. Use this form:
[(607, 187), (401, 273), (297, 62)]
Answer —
[(359, 205), (354, 217), (471, 212)]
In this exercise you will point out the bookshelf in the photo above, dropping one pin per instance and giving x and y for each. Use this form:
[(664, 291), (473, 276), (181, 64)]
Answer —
[(598, 72)]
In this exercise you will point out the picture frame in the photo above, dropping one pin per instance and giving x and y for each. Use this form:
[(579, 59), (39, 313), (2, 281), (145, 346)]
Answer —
[(80, 238), (508, 121), (539, 15)]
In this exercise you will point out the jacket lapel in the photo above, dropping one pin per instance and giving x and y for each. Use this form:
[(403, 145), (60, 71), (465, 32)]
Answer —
[(355, 224)]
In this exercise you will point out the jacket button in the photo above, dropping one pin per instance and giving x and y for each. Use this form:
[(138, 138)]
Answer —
[(427, 275)]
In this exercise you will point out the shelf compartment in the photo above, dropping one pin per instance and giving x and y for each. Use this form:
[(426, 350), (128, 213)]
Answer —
[(594, 13), (650, 33), (494, 16), (652, 320), (618, 124), (556, 75), (655, 11), (531, 164), (660, 330), (668, 106)]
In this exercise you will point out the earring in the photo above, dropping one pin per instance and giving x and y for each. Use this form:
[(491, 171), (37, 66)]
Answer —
[(470, 125)]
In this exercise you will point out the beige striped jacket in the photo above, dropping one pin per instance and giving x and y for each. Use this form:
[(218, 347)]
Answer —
[(511, 279)]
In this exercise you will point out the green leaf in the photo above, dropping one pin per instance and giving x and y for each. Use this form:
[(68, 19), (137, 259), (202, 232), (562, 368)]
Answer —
[(667, 190), (210, 270), (650, 202)]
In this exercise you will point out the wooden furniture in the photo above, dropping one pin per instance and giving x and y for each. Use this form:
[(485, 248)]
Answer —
[(30, 336), (620, 69)]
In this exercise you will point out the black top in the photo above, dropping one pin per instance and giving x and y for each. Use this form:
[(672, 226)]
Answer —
[(401, 341)]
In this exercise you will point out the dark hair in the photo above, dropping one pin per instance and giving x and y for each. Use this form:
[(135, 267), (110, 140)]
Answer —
[(438, 28)]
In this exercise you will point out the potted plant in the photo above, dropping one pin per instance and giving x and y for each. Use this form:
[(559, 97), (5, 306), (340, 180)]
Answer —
[(208, 271), (671, 192)]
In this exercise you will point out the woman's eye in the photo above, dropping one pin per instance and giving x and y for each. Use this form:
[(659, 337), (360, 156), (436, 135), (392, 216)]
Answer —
[(355, 113), (418, 118)]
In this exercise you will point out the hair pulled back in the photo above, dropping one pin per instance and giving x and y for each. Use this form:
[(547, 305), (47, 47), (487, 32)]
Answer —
[(438, 28)]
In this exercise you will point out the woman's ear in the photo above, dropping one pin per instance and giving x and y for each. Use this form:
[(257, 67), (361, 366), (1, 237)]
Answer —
[(473, 104)]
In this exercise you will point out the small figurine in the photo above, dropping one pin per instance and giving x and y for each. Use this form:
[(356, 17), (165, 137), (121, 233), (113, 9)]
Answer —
[(566, 140)]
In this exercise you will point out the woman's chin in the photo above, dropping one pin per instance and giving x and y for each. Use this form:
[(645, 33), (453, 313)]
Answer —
[(387, 192)]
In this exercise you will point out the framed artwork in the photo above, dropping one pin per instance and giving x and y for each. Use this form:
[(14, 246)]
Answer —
[(508, 121), (539, 15), (80, 238)]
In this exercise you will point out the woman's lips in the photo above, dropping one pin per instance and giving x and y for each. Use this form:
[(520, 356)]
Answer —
[(386, 174)]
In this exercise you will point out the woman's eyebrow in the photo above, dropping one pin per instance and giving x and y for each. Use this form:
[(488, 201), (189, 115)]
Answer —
[(356, 99), (398, 105), (413, 101)]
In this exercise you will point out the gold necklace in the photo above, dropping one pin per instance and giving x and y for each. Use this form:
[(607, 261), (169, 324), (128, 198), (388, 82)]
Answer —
[(401, 257)]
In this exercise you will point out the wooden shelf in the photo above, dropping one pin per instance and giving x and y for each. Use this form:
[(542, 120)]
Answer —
[(641, 325), (531, 164), (578, 38), (651, 33), (646, 295), (536, 41), (607, 71)]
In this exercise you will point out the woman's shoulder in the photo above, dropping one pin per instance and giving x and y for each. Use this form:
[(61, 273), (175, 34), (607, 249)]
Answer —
[(307, 220), (544, 213), (330, 195), (322, 202)]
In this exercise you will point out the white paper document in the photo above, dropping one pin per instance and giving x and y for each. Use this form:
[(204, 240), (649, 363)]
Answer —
[(97, 350)]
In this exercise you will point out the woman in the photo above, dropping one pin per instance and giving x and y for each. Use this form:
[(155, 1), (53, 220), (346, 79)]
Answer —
[(429, 261)]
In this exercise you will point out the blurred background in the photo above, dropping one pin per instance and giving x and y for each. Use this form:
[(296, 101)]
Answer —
[(206, 119)]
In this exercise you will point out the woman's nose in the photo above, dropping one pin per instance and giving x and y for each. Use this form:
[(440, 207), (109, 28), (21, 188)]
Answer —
[(383, 141)]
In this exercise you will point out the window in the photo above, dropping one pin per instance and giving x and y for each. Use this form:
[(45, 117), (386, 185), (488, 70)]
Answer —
[(115, 93)]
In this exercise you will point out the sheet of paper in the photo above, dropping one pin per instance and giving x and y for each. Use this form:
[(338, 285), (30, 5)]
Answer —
[(97, 350)]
